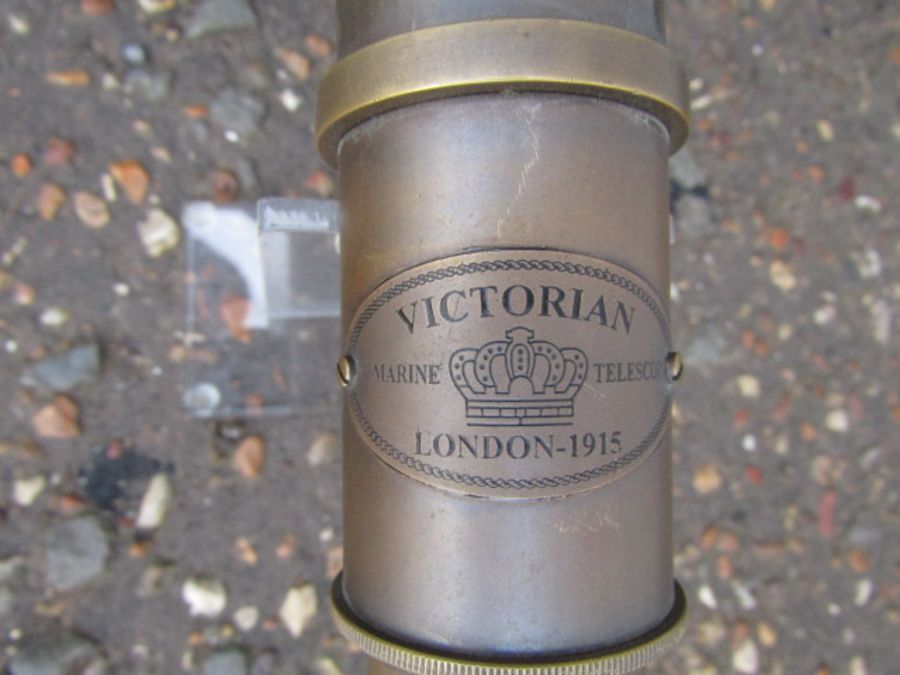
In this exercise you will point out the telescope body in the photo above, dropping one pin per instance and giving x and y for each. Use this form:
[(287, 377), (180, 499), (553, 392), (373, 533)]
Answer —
[(508, 361)]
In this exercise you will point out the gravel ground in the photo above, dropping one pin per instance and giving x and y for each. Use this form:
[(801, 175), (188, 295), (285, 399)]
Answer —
[(136, 540)]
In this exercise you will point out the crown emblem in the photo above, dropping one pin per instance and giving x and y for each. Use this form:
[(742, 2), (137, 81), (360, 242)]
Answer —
[(519, 381)]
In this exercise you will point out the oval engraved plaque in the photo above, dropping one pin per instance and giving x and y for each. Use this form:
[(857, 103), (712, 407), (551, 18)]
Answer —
[(511, 373)]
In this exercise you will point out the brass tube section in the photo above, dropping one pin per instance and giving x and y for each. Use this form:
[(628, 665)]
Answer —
[(508, 360)]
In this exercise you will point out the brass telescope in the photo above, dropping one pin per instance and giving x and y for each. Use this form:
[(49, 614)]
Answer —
[(508, 362)]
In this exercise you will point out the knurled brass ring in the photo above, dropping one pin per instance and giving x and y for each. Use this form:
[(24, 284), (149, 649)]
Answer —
[(624, 658), (533, 55)]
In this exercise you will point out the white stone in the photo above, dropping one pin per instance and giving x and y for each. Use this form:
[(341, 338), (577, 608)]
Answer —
[(54, 317), (748, 386), (782, 275), (825, 315), (26, 490), (323, 449), (745, 658), (325, 666), (157, 6), (204, 596), (707, 597), (19, 25), (155, 503), (159, 233), (881, 321), (858, 666), (246, 618), (868, 203), (298, 609), (744, 596), (864, 590), (837, 421), (826, 131), (868, 263), (748, 443), (291, 100)]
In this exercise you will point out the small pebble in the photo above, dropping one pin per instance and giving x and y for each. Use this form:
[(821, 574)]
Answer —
[(19, 24), (49, 200), (77, 552), (237, 112), (745, 658), (779, 239), (858, 666), (318, 45), (27, 490), (54, 317), (134, 53), (298, 609), (155, 503), (766, 634), (864, 590), (297, 65), (837, 421), (707, 597), (782, 275), (23, 294), (246, 552), (707, 479), (20, 165), (216, 16), (748, 386), (323, 449), (157, 6), (712, 632), (64, 372), (108, 187), (60, 652), (204, 596), (57, 420), (91, 210), (227, 661), (868, 204), (859, 561), (685, 171), (159, 233), (69, 78), (97, 7), (153, 86), (826, 131), (246, 618), (59, 152), (824, 315), (881, 321), (321, 183), (334, 561), (325, 666), (286, 547), (744, 596), (132, 177), (290, 100), (824, 470), (867, 262)]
